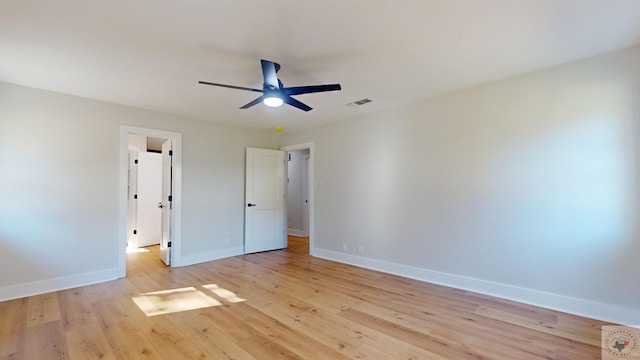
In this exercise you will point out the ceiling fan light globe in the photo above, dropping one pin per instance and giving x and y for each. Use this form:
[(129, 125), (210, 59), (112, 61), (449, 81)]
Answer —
[(273, 101)]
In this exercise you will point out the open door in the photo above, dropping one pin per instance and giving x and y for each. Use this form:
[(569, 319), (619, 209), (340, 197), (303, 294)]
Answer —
[(149, 197), (166, 202), (265, 217)]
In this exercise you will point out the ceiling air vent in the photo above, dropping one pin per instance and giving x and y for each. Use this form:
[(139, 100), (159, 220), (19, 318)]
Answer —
[(359, 102)]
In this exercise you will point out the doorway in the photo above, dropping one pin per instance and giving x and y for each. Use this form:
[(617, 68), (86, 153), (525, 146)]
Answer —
[(298, 193), (170, 203), (306, 154)]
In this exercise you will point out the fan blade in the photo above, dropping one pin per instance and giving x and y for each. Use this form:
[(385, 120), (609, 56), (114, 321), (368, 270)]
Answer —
[(269, 70), (293, 102), (254, 102), (298, 90), (229, 86)]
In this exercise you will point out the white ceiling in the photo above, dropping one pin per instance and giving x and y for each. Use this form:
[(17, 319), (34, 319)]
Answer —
[(151, 54)]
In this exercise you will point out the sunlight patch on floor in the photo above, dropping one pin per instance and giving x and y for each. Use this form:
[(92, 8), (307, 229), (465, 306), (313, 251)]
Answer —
[(223, 293), (183, 299), (171, 301)]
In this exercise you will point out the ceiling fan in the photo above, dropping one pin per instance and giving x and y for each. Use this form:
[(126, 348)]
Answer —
[(274, 93)]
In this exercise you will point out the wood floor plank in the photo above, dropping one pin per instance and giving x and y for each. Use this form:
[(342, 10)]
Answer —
[(261, 347), (323, 328), (13, 327), (534, 324), (121, 288), (298, 343), (126, 340), (43, 309), (366, 351), (199, 327), (46, 341), (446, 349), (98, 292), (499, 338), (224, 320), (283, 305), (349, 337), (392, 317), (88, 342), (14, 356), (163, 335), (75, 310), (568, 354)]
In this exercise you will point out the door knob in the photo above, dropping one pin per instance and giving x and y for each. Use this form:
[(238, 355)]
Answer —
[(160, 205), (250, 205)]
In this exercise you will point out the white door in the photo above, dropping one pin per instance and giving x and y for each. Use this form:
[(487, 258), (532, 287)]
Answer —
[(264, 201), (167, 191), (149, 194)]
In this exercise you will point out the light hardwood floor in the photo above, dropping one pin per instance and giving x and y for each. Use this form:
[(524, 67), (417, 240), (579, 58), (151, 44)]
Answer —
[(283, 305)]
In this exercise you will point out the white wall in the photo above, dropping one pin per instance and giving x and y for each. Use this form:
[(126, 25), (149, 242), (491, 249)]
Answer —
[(59, 181), (295, 194), (525, 188)]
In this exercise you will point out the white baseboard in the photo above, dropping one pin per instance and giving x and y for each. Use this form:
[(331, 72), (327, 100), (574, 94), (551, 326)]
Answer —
[(209, 256), (68, 282), (581, 307), (56, 284), (296, 232)]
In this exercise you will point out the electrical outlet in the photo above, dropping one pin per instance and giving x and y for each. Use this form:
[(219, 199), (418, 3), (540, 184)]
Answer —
[(361, 249), (226, 241), (345, 247)]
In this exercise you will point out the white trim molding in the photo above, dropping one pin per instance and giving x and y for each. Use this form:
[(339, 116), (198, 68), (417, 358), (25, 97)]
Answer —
[(295, 232), (61, 283), (211, 255), (581, 307)]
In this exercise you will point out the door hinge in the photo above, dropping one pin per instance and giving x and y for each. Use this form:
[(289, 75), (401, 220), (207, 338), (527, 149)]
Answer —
[(135, 161), (135, 196), (170, 198), (170, 152), (135, 232), (169, 244)]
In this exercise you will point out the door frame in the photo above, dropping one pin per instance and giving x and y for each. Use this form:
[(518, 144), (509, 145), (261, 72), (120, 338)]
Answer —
[(176, 219), (310, 187), (305, 191)]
